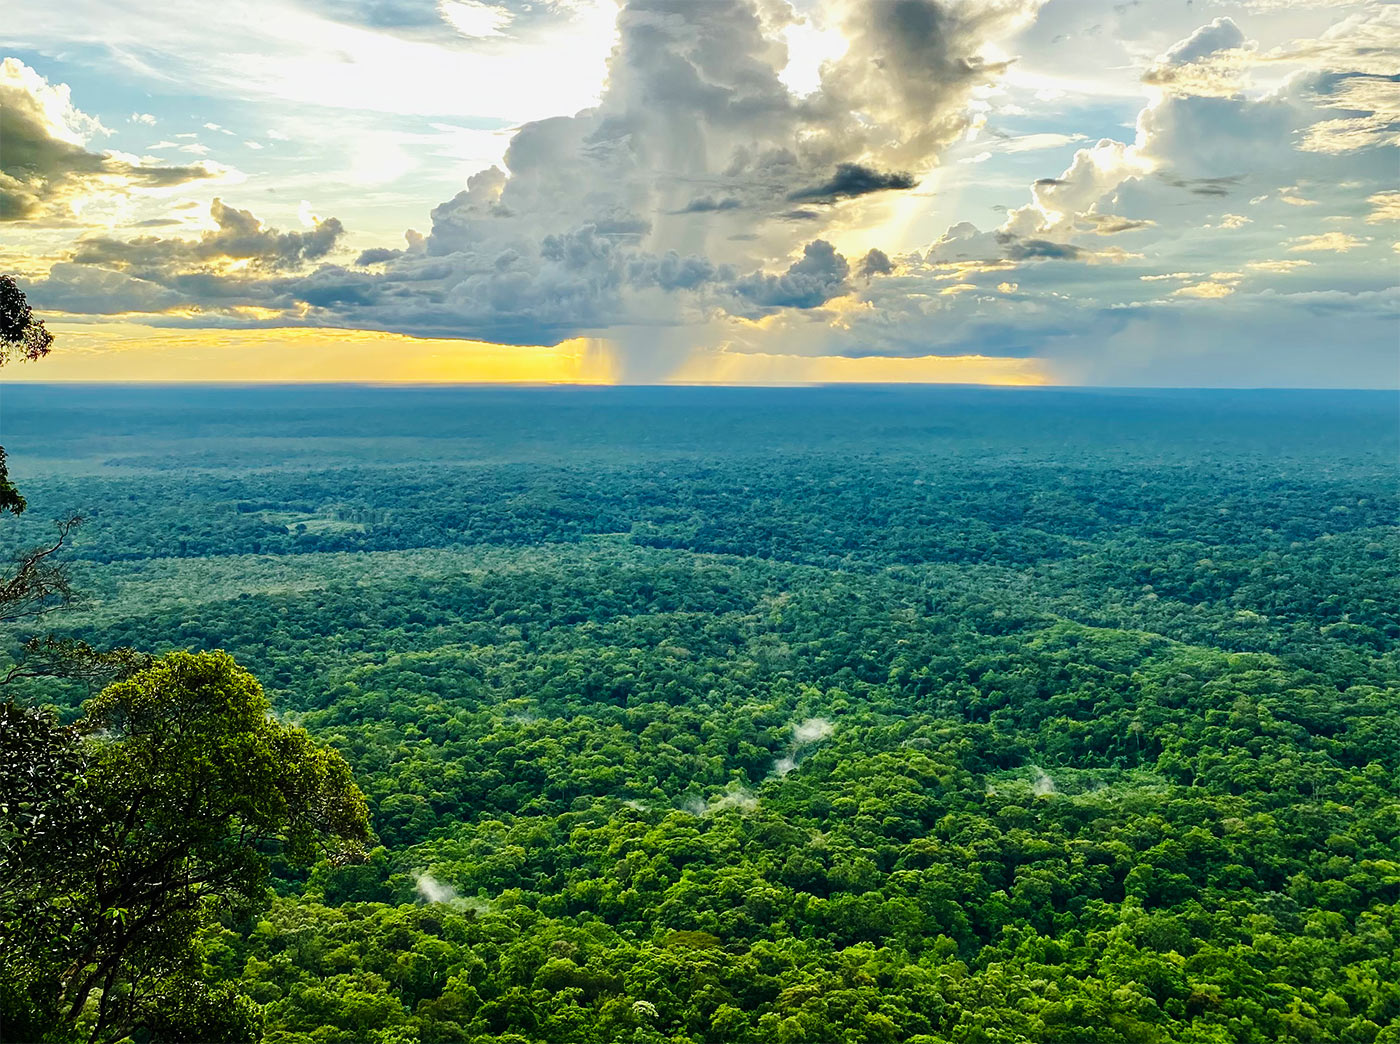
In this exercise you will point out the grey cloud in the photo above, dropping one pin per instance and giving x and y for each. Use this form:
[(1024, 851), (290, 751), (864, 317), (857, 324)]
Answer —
[(1038, 249), (429, 21), (908, 65), (875, 262), (1113, 224), (1219, 186), (240, 236), (671, 271), (853, 179), (708, 205), (808, 283), (89, 290), (377, 256)]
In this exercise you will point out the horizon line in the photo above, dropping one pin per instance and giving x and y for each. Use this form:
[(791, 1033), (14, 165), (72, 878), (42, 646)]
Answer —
[(794, 385)]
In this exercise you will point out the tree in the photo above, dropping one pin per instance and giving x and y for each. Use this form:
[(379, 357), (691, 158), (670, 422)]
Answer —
[(37, 583), (24, 336), (20, 333), (178, 787)]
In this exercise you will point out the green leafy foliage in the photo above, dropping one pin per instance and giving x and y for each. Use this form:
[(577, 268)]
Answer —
[(169, 796), (807, 716)]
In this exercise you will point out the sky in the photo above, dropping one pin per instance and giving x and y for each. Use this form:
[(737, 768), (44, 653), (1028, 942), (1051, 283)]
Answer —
[(1083, 192)]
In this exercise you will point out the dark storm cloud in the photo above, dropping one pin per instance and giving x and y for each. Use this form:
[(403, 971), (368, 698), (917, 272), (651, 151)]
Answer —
[(853, 179), (808, 283), (875, 262), (709, 205)]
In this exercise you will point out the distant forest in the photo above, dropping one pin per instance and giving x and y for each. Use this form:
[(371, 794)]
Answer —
[(776, 716)]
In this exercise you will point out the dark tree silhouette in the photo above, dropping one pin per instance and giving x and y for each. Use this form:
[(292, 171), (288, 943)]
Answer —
[(21, 334)]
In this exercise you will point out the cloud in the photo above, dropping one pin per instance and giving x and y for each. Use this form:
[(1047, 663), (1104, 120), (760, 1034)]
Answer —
[(710, 205), (819, 276), (46, 169), (1333, 242), (642, 211), (473, 19), (1031, 249), (1280, 267), (660, 207), (1385, 206), (698, 206), (1375, 103), (376, 256), (1158, 277), (875, 262), (1040, 140), (736, 797), (431, 890), (853, 179), (1208, 290), (238, 237), (1210, 61), (1113, 224)]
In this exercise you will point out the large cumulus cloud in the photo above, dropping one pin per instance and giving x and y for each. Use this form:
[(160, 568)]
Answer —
[(699, 186), (45, 164)]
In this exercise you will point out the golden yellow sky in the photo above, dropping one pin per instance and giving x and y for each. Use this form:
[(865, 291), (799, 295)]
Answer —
[(132, 352)]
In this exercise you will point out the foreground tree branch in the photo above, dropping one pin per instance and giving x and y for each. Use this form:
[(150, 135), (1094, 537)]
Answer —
[(38, 584)]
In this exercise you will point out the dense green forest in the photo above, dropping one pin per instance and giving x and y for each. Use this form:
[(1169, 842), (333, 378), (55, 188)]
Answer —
[(809, 715)]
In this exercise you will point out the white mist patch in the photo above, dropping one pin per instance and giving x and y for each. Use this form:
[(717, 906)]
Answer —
[(434, 891), (431, 890), (1042, 784), (811, 730), (736, 797), (804, 734)]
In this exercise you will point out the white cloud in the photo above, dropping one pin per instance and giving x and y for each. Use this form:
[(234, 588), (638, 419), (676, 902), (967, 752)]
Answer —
[(1207, 290), (473, 19), (1333, 242), (1038, 141)]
